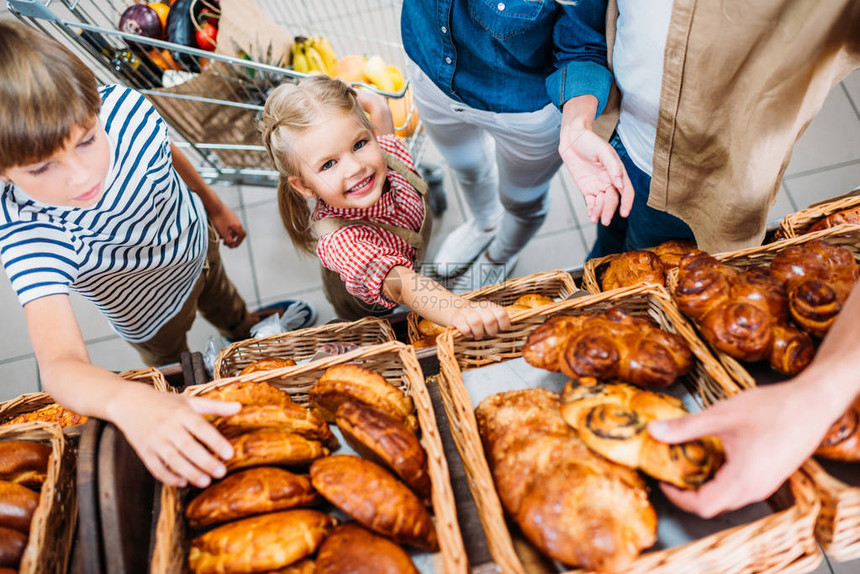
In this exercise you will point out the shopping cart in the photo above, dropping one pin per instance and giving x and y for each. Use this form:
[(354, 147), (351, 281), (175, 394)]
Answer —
[(214, 112)]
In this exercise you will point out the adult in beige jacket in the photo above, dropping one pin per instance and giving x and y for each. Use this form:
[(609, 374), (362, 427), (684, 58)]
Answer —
[(741, 82)]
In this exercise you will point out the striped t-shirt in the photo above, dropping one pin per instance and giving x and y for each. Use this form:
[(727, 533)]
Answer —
[(137, 252), (363, 254)]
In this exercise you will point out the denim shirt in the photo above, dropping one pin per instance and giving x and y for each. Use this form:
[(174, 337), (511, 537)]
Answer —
[(510, 55)]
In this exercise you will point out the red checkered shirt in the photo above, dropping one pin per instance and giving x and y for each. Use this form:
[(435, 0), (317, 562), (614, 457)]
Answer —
[(362, 254)]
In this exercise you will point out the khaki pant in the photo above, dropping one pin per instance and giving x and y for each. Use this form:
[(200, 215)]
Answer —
[(217, 299)]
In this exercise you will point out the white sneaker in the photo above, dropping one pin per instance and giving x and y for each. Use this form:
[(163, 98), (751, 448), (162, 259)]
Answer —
[(461, 248), (482, 273)]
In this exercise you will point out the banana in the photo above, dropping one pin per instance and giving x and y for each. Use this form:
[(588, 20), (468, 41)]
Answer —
[(315, 59), (326, 51), (376, 72), (300, 59)]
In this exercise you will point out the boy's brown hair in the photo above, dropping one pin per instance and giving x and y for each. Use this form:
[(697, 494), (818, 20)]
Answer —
[(291, 109), (45, 92)]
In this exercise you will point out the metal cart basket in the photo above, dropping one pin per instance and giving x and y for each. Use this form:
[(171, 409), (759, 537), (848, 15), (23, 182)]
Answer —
[(214, 111)]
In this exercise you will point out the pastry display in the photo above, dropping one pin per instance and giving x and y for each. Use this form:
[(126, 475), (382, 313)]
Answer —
[(851, 215), (253, 491), (267, 364), (385, 440), (353, 549), (375, 498), (261, 543), (612, 420), (24, 462), (279, 448), (609, 345), (49, 414), (351, 382), (572, 504)]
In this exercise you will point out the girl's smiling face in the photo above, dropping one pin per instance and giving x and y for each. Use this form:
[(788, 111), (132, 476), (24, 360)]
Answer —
[(74, 176), (341, 163)]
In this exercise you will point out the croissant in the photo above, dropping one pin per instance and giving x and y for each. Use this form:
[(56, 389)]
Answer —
[(252, 491), (612, 419), (273, 448), (354, 550), (289, 417), (632, 268), (792, 350), (851, 216), (304, 566), (250, 393), (842, 441), (351, 382), (371, 495), (267, 364), (260, 543)]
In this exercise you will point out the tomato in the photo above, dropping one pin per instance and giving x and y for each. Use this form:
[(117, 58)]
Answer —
[(207, 36), (161, 9)]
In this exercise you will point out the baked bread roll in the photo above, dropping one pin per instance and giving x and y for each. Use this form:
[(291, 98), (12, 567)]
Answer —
[(703, 284), (267, 364), (574, 505), (532, 300), (249, 492), (385, 440), (792, 350), (12, 545), (260, 543), (351, 549), (351, 382), (286, 416), (279, 448), (428, 328), (372, 496), (250, 393), (24, 462), (842, 441), (545, 345), (632, 268), (17, 504), (612, 419), (49, 414), (851, 215), (673, 251), (740, 330), (306, 566)]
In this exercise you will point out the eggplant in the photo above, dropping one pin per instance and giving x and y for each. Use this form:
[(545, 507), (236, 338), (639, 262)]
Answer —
[(180, 30), (142, 20)]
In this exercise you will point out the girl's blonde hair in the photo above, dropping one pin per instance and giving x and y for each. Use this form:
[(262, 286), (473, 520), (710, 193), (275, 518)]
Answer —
[(292, 109), (45, 92)]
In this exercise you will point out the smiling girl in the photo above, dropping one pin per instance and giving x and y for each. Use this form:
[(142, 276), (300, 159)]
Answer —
[(369, 224)]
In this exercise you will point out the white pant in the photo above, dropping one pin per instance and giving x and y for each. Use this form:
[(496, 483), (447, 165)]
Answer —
[(501, 160)]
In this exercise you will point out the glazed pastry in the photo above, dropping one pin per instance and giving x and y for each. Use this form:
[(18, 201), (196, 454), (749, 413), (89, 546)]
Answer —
[(12, 545), (351, 549), (267, 364), (756, 287), (49, 414), (24, 462), (385, 440), (612, 419), (703, 284), (851, 216), (545, 345), (740, 330), (249, 492), (842, 441), (372, 496), (792, 350), (306, 566), (532, 300), (671, 252), (427, 341), (563, 496), (427, 328), (260, 543), (814, 305), (263, 448), (287, 416), (17, 505), (633, 268), (351, 382), (250, 393)]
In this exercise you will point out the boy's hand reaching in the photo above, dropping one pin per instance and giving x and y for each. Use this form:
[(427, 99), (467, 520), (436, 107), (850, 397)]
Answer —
[(171, 437), (479, 319), (229, 227)]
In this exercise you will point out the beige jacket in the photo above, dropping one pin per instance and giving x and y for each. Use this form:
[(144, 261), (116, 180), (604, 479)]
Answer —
[(741, 82)]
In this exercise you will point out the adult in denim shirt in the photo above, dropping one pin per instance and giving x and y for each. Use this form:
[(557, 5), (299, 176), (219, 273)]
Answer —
[(489, 79)]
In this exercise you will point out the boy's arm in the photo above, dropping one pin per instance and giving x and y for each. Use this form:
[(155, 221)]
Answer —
[(167, 432), (226, 222), (426, 297)]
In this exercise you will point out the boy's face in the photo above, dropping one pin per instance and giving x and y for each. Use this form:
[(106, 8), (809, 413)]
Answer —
[(74, 176), (341, 163)]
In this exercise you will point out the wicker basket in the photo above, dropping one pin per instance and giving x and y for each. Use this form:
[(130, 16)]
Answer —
[(838, 524), (556, 284), (301, 344), (398, 364), (30, 402), (796, 224), (847, 236), (53, 526), (780, 542)]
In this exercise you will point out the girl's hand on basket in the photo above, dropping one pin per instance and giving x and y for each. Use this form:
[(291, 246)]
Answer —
[(229, 227), (479, 319), (767, 433), (171, 437)]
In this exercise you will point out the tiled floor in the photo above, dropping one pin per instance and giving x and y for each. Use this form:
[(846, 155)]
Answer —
[(266, 268)]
